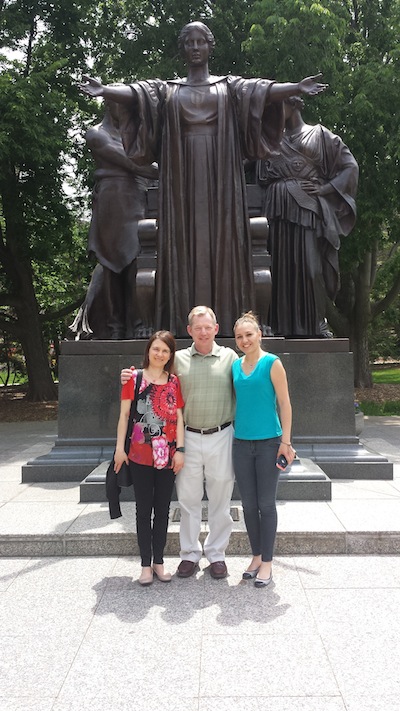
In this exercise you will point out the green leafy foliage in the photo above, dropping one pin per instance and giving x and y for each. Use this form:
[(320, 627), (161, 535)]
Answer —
[(47, 46), (356, 45), (39, 106), (381, 409)]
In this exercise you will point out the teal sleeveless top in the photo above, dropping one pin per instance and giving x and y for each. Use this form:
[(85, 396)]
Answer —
[(256, 415)]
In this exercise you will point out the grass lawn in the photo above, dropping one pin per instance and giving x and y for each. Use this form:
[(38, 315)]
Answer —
[(387, 375), (386, 406)]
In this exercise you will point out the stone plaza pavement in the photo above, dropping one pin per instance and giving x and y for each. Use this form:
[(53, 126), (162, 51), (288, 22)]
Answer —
[(78, 633)]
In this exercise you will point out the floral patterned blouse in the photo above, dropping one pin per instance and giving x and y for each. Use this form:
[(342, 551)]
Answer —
[(153, 439)]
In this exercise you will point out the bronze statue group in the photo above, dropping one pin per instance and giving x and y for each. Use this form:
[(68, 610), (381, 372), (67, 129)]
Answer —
[(202, 414)]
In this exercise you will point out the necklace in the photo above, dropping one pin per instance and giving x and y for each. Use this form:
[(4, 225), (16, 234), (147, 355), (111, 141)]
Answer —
[(251, 365), (153, 378)]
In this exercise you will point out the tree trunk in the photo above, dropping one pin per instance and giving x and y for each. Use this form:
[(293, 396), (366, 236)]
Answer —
[(41, 385), (362, 371), (15, 257), (359, 324)]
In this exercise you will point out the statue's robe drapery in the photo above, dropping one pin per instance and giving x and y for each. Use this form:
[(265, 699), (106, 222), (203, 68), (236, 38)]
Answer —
[(304, 234), (199, 135), (118, 203), (110, 310)]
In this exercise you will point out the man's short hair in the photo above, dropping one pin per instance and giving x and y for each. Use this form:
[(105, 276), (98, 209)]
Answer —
[(201, 311)]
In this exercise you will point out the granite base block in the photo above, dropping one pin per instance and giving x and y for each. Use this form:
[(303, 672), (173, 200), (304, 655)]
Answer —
[(382, 470), (345, 458), (320, 376), (303, 481), (67, 461)]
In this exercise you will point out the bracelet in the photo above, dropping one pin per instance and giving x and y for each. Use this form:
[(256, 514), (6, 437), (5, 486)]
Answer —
[(288, 444), (180, 449)]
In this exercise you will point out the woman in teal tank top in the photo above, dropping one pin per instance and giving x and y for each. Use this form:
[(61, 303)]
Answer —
[(261, 436)]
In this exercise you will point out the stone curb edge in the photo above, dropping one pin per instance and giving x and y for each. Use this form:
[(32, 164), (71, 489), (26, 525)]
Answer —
[(125, 544)]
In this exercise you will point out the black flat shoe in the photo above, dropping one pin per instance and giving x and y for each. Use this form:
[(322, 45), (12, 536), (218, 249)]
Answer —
[(250, 574), (263, 582)]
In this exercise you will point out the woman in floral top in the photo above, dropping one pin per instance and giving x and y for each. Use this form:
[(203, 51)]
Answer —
[(156, 452)]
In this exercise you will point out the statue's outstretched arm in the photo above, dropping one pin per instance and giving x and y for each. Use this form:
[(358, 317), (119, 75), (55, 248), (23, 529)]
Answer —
[(309, 86), (122, 93)]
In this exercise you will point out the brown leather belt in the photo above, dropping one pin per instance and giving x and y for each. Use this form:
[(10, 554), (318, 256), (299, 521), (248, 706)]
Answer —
[(212, 430)]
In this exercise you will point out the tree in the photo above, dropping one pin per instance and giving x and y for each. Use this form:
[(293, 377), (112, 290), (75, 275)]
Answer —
[(48, 45), (139, 40), (357, 47), (373, 53), (37, 109), (42, 241), (384, 333)]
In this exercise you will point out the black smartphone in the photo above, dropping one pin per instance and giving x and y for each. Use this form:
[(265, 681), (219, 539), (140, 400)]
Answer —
[(281, 462)]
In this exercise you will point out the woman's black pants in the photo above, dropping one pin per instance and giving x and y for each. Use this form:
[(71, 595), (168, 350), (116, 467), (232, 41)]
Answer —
[(153, 491)]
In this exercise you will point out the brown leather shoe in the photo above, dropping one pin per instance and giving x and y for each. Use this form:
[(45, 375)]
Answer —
[(186, 568), (218, 569)]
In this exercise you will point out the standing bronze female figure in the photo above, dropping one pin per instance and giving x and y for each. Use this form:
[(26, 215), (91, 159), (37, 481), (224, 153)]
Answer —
[(199, 129), (310, 190)]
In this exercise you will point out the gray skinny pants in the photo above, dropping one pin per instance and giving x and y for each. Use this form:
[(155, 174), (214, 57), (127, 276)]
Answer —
[(257, 478)]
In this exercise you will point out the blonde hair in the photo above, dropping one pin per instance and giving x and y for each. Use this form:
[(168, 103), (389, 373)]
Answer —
[(248, 317), (201, 311)]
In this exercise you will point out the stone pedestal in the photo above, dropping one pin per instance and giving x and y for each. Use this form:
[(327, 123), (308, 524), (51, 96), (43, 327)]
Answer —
[(320, 375), (303, 481)]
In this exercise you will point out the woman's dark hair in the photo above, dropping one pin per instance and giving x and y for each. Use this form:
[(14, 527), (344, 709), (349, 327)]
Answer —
[(167, 338), (185, 31)]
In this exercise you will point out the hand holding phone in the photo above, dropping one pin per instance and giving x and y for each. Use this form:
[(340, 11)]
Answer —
[(281, 462)]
